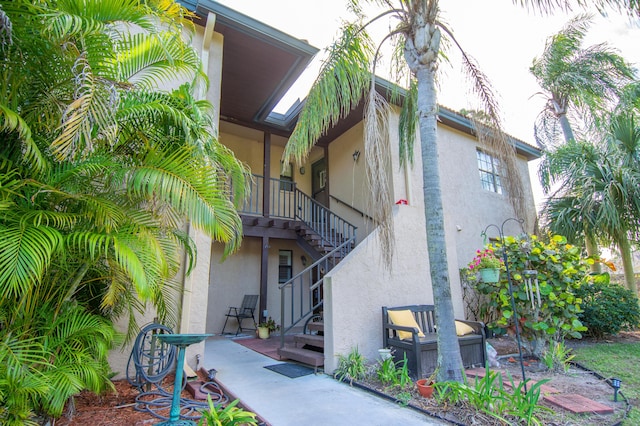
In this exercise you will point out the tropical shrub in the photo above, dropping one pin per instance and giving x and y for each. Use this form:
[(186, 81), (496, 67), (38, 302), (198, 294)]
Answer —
[(100, 168), (607, 307), (231, 415), (545, 278), (351, 367), (488, 394), (392, 373)]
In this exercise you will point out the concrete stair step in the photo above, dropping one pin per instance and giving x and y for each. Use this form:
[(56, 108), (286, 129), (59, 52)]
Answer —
[(309, 339), (305, 356), (317, 326)]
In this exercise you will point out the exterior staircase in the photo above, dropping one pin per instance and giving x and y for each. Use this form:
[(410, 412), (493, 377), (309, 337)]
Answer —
[(323, 235), (308, 348)]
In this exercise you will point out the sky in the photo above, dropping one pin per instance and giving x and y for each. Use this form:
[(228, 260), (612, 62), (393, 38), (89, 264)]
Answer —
[(503, 38)]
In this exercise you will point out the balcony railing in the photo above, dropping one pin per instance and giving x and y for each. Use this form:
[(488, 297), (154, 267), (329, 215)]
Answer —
[(286, 201)]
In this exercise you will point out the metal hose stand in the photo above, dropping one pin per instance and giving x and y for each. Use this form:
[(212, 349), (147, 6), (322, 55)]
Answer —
[(152, 361)]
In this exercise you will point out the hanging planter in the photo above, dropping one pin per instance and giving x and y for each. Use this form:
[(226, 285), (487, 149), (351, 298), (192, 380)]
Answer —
[(490, 275)]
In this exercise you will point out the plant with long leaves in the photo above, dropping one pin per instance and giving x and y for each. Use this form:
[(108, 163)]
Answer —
[(598, 187), (100, 168)]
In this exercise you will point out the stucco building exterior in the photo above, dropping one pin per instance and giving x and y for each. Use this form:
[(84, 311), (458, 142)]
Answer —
[(250, 66)]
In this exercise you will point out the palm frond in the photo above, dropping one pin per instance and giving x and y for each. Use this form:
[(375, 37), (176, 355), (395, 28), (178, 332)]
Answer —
[(340, 86), (25, 253)]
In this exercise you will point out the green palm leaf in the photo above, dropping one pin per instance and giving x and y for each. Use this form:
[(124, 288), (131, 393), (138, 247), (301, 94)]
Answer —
[(25, 253)]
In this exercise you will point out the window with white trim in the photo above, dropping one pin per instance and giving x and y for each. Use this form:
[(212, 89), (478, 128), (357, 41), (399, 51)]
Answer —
[(285, 266), (489, 168)]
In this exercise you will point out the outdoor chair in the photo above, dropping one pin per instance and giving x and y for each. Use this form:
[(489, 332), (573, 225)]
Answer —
[(245, 311)]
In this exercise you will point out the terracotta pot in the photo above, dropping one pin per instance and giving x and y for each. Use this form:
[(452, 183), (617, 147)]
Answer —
[(425, 387), (263, 332)]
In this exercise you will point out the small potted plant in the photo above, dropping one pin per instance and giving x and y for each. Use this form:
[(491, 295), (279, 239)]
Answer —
[(487, 264), (266, 327), (425, 385)]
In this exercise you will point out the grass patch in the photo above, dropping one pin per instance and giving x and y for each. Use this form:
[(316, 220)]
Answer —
[(619, 360)]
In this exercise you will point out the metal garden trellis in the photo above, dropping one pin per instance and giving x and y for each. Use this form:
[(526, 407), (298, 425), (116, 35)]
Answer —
[(505, 259)]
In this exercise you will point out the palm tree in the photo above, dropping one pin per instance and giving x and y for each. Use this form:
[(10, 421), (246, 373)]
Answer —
[(342, 84), (583, 83), (599, 187), (99, 170)]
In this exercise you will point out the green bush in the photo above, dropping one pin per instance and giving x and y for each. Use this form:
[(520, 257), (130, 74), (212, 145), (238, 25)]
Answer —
[(546, 303), (607, 307)]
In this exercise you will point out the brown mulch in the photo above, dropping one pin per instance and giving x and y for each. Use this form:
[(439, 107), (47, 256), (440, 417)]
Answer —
[(113, 409), (117, 409)]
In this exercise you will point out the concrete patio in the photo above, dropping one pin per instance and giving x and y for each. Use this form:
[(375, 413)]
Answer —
[(311, 400)]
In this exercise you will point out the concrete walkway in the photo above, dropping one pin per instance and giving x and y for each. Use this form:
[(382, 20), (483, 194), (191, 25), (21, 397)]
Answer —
[(312, 400)]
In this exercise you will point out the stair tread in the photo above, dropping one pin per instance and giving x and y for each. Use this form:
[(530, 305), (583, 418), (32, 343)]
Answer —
[(302, 355), (315, 326), (310, 339)]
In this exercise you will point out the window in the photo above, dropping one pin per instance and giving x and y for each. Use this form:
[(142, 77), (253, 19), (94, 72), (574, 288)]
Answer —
[(286, 178), (489, 168), (285, 266)]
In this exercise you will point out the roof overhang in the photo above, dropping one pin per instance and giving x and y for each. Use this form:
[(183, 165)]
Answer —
[(259, 66)]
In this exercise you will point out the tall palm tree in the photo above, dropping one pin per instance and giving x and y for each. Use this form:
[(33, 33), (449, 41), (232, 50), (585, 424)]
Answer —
[(581, 85), (341, 85), (100, 167), (578, 82), (600, 187)]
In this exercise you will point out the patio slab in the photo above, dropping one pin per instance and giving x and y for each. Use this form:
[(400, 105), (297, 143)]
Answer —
[(311, 400)]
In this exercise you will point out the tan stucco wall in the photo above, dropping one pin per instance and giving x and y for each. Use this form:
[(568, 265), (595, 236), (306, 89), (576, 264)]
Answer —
[(347, 179), (196, 284), (239, 274)]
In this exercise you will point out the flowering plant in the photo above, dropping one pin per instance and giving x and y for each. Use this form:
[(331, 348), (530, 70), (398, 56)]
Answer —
[(485, 259)]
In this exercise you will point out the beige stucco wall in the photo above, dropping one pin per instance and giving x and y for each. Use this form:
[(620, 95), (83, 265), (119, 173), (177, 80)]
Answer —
[(358, 287), (239, 274), (193, 301), (347, 180)]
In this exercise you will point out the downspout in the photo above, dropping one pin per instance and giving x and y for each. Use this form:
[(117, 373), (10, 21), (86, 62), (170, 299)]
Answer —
[(184, 312)]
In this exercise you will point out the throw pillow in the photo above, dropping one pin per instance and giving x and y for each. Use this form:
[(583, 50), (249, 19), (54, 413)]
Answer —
[(406, 319), (463, 329)]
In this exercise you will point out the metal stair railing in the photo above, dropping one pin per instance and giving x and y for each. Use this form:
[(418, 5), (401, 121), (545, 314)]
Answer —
[(332, 229), (304, 286), (282, 198)]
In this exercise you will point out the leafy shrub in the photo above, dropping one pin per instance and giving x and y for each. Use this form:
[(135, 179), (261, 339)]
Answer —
[(217, 415), (607, 307), (488, 394), (546, 304), (392, 373), (351, 367)]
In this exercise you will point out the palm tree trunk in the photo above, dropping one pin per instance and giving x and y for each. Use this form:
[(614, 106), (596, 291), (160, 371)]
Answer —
[(592, 251), (566, 128), (449, 359), (627, 264)]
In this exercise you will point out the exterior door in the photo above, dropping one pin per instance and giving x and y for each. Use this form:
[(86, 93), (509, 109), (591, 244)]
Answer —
[(319, 182)]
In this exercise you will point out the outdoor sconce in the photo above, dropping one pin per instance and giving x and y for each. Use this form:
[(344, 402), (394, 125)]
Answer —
[(303, 259), (356, 155), (615, 384)]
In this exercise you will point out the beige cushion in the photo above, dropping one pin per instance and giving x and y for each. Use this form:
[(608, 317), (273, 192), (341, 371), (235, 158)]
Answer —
[(406, 319), (463, 329)]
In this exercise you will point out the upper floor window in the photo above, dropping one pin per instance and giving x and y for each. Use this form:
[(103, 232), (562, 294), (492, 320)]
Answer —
[(489, 168)]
